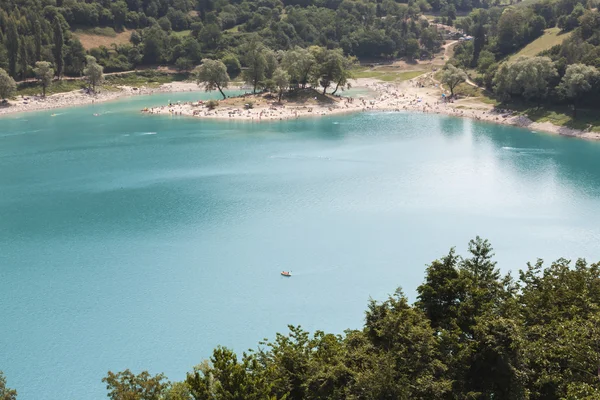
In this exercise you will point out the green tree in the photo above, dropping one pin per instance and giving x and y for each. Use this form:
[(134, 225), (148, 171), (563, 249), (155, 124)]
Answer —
[(255, 61), (59, 43), (8, 87), (412, 49), (23, 58), (44, 73), (453, 76), (299, 64), (486, 58), (560, 307), (345, 74), (155, 40), (228, 379), (213, 74), (408, 347), (12, 46), (135, 38), (330, 64), (578, 81), (440, 295), (282, 81), (526, 77), (119, 12), (93, 72), (233, 64), (178, 391), (126, 385), (75, 57), (184, 64), (210, 36), (38, 40), (271, 63), (6, 393)]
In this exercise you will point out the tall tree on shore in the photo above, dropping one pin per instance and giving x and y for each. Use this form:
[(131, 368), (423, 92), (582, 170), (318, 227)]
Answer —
[(331, 64), (93, 72), (44, 73), (213, 74), (345, 74), (299, 63), (256, 63), (59, 42), (578, 81), (7, 88), (282, 81), (452, 76), (12, 46)]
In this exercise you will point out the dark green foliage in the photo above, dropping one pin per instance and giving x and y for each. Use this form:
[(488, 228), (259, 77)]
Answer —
[(12, 46), (128, 386), (59, 43), (6, 393), (472, 334)]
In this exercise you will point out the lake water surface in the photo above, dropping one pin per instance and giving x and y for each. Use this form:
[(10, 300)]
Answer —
[(142, 242)]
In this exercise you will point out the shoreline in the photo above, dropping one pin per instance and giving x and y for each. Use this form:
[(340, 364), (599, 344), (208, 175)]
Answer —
[(421, 94)]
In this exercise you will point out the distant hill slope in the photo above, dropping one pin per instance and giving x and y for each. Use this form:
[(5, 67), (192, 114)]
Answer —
[(551, 37)]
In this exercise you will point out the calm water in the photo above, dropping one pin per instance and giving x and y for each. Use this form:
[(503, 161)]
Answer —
[(132, 241)]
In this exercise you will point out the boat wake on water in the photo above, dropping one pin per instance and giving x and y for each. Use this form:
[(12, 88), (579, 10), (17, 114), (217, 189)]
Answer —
[(317, 158), (144, 133), (313, 271), (528, 150)]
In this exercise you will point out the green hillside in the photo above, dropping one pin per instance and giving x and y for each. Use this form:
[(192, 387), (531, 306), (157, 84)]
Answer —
[(551, 37)]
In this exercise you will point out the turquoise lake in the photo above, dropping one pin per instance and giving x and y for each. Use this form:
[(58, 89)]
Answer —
[(143, 241)]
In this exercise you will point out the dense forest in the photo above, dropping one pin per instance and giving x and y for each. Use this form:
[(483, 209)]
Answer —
[(566, 73), (471, 334), (183, 32)]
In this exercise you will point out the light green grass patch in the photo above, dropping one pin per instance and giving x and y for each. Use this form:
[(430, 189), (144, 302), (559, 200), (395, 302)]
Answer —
[(143, 78), (560, 116), (63, 86), (182, 34), (106, 31), (234, 29), (551, 37), (387, 76)]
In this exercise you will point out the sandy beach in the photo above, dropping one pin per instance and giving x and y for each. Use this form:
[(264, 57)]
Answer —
[(80, 97), (421, 94)]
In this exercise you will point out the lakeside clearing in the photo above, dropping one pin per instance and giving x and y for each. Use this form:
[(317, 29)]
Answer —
[(419, 94), (551, 37)]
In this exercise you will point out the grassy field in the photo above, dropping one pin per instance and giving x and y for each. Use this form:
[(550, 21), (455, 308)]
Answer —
[(234, 29), (97, 37), (151, 79), (33, 88), (550, 38), (387, 76), (560, 115), (563, 116), (143, 78), (182, 33)]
